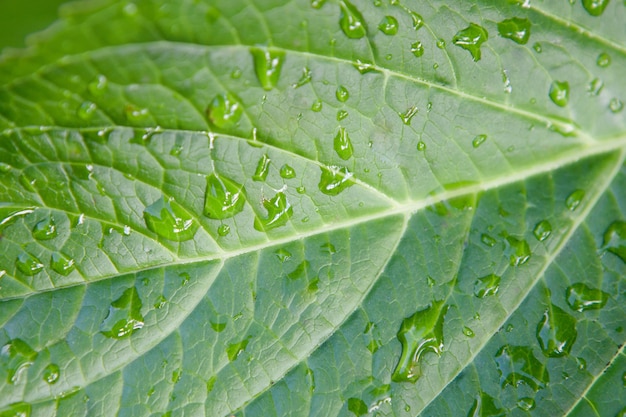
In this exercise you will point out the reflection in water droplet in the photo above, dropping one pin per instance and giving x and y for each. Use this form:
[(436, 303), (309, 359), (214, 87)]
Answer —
[(279, 210), (556, 332), (351, 21), (335, 179), (169, 220), (417, 49), (28, 264), (124, 316), (305, 79), (518, 251), (616, 105), (235, 349), (581, 297), (388, 26), (342, 144), (317, 106), (224, 112), (484, 406), (559, 93), (542, 230), (45, 229), (61, 265), (418, 334), (486, 286), (574, 199), (408, 115), (223, 199), (470, 39), (267, 65), (517, 29), (478, 140), (342, 94), (517, 365), (51, 373), (16, 356), (595, 7), (262, 168)]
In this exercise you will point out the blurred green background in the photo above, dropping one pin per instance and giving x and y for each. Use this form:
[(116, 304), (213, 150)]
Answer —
[(19, 18)]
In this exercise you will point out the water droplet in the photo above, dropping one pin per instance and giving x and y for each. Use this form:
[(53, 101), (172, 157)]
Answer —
[(160, 302), (418, 21), (16, 356), (604, 60), (518, 364), (236, 73), (61, 265), (317, 4), (478, 140), (556, 332), (224, 112), (418, 334), (487, 240), (417, 49), (301, 189), (224, 198), (421, 146), (262, 168), (595, 7), (616, 105), (574, 199), (27, 264), (484, 406), (364, 67), (559, 93), (408, 115), (99, 86), (537, 47), (267, 66), (487, 285), (542, 230), (45, 229), (526, 403), (357, 406), (283, 254), (470, 39), (615, 239), (305, 79), (388, 26), (278, 212), (342, 144), (468, 332), (169, 220), (287, 172), (51, 373), (217, 326), (20, 409), (235, 349), (518, 251), (124, 316), (351, 21), (624, 379), (86, 110), (581, 297), (342, 94), (517, 29), (4, 168), (136, 114), (335, 179), (317, 106), (341, 114)]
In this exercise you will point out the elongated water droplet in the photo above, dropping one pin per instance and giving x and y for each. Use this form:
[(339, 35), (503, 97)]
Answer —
[(526, 403), (517, 29), (51, 373), (279, 210), (45, 229), (478, 140), (419, 333), (484, 406), (169, 220), (267, 65), (518, 251), (616, 105), (518, 365), (86, 110), (317, 4), (61, 265), (487, 240), (581, 297), (615, 239), (470, 39), (287, 172), (556, 332), (389, 25), (223, 199), (28, 264), (542, 230), (351, 21), (124, 316), (418, 21), (364, 67), (417, 49), (305, 79), (342, 144), (341, 114), (559, 93), (335, 179), (16, 356), (574, 199), (342, 94), (408, 115), (235, 349), (595, 7), (262, 169), (604, 60), (468, 332), (487, 285), (224, 112)]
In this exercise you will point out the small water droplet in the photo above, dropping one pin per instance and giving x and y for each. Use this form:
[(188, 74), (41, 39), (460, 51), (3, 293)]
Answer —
[(301, 189), (341, 114), (616, 105), (342, 94), (417, 49), (236, 73), (595, 86), (487, 240), (45, 229), (86, 110), (615, 239), (518, 251), (317, 4), (581, 297), (470, 39), (478, 140), (99, 86), (279, 211), (595, 7), (235, 349), (468, 332), (305, 79), (388, 25), (484, 406), (537, 47), (287, 172), (61, 265), (262, 168), (160, 302), (4, 168), (124, 316), (582, 363), (223, 230), (51, 373), (408, 115), (604, 60), (419, 333), (335, 179), (486, 286), (283, 254), (169, 220), (351, 21), (364, 67), (267, 65), (526, 403), (224, 112), (559, 93), (421, 146), (418, 21), (28, 264), (16, 356), (542, 230), (342, 144), (517, 29), (574, 199), (224, 197), (136, 114), (518, 364), (556, 332)]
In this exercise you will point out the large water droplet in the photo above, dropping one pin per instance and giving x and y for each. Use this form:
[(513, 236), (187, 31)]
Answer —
[(517, 29), (16, 356), (279, 210), (581, 297), (335, 179), (267, 65), (45, 229), (351, 21), (224, 198), (574, 199), (417, 49), (342, 94), (518, 251), (389, 25), (418, 334), (487, 285), (615, 239), (124, 316), (224, 112), (28, 264), (51, 373), (408, 115), (484, 406), (169, 220), (61, 265), (235, 349), (556, 332), (559, 93), (518, 364), (470, 39), (595, 7), (262, 168), (542, 230), (342, 144)]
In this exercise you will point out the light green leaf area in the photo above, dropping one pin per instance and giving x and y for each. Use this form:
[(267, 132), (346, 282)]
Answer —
[(315, 208)]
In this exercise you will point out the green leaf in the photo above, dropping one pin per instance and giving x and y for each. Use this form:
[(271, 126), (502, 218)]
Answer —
[(296, 207)]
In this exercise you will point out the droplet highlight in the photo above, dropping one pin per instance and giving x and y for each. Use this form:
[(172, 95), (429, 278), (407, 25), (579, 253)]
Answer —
[(518, 251), (388, 26), (51, 373), (595, 7), (62, 265), (484, 405), (408, 115), (478, 140), (45, 229), (417, 49), (28, 264), (342, 94)]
